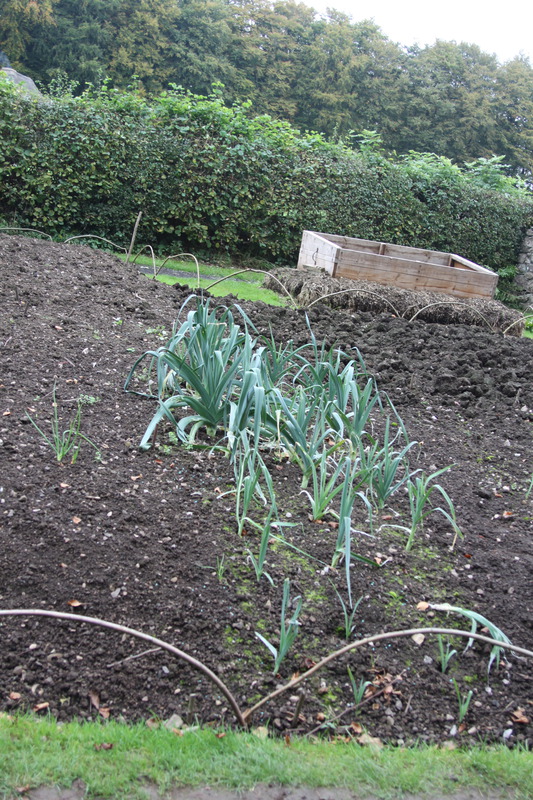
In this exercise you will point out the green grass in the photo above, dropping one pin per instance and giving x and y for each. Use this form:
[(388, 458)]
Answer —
[(35, 752), (248, 287), (207, 270), (245, 290)]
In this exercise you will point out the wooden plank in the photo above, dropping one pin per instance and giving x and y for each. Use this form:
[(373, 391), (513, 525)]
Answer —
[(415, 254), (349, 243), (421, 283), (465, 263), (387, 267), (315, 251), (384, 248)]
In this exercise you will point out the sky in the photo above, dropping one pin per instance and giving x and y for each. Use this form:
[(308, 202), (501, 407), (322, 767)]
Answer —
[(506, 30)]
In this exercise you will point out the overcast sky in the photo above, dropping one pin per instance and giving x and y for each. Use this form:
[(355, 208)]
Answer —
[(505, 29)]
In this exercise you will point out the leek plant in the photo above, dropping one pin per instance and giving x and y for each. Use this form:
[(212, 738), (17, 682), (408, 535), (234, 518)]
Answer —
[(278, 360), (288, 628), (201, 368), (445, 653), (259, 562), (463, 700), (303, 427), (344, 531), (477, 619), (390, 472), (325, 486), (420, 490), (69, 440), (358, 687), (350, 407), (249, 467), (348, 612)]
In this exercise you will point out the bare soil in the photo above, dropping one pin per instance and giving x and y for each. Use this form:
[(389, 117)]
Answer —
[(135, 538), (260, 792)]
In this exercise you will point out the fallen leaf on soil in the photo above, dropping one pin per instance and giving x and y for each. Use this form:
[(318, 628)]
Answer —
[(135, 477), (23, 789), (519, 717), (261, 732), (422, 605), (387, 516), (104, 746), (371, 741), (76, 520), (95, 699), (40, 706), (65, 485), (104, 712), (14, 695), (356, 728), (220, 735), (73, 603), (418, 638), (320, 717), (287, 739), (153, 723), (508, 514)]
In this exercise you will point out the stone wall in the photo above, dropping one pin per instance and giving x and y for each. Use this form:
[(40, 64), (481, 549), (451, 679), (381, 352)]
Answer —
[(524, 276)]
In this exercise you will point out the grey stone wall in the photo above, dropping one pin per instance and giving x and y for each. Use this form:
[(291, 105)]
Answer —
[(524, 276)]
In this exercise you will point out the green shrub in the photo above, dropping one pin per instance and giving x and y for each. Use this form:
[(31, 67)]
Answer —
[(209, 177)]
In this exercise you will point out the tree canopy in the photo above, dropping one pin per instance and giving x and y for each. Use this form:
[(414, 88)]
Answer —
[(327, 73)]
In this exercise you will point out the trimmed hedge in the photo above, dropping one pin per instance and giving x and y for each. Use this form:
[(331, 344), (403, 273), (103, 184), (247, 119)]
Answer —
[(208, 177)]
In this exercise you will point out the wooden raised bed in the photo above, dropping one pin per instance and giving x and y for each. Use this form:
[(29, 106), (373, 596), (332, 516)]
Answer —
[(395, 265)]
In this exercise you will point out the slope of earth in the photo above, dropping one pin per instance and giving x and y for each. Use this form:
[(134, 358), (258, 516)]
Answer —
[(148, 539)]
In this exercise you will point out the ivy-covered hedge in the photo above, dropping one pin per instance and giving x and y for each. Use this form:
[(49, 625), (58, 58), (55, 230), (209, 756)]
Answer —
[(208, 177)]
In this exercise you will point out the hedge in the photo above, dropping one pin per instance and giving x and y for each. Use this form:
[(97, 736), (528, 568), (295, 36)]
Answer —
[(211, 178)]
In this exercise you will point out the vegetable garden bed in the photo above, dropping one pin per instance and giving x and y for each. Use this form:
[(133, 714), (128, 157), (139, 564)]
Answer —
[(394, 265), (150, 539)]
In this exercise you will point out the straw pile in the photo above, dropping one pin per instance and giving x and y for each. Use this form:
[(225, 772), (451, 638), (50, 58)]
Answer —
[(309, 286)]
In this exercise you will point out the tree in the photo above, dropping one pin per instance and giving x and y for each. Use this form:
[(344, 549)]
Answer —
[(513, 107), (18, 19)]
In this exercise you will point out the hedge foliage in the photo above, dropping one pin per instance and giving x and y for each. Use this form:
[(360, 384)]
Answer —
[(208, 177)]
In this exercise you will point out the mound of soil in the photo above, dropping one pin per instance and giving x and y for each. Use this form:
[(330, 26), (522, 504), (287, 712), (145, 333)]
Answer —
[(309, 286), (148, 539)]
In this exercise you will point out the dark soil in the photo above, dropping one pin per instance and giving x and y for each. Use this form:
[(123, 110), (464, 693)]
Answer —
[(135, 538)]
